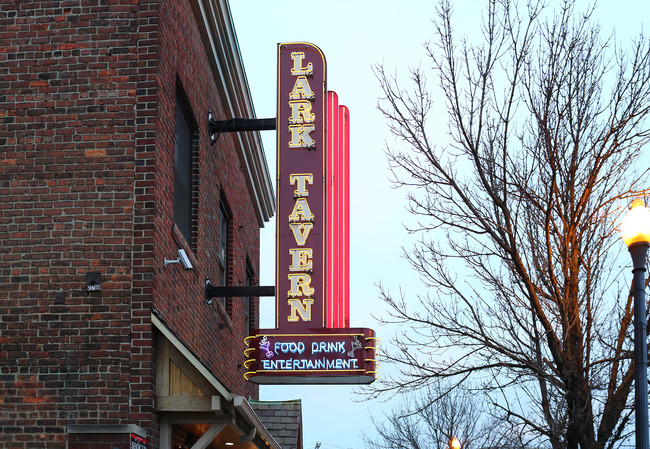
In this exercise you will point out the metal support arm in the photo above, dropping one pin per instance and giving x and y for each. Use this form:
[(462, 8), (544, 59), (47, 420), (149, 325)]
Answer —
[(216, 127), (212, 291)]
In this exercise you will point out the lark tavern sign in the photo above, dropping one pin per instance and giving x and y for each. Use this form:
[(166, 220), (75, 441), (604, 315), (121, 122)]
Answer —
[(301, 147), (312, 341)]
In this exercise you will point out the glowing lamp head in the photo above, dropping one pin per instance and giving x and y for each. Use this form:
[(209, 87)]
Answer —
[(636, 224), (454, 443)]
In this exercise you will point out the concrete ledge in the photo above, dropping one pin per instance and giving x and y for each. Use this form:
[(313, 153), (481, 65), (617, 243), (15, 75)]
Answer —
[(107, 428)]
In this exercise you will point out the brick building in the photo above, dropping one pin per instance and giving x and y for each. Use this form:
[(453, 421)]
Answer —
[(107, 169)]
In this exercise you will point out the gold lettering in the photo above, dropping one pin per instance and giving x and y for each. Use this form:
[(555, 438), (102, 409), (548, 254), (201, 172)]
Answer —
[(301, 259), (298, 69), (300, 137), (300, 307), (301, 211), (300, 285), (301, 112), (301, 90), (301, 179), (301, 232)]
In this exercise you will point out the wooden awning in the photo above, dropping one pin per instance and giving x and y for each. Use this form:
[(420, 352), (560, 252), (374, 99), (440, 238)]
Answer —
[(190, 397)]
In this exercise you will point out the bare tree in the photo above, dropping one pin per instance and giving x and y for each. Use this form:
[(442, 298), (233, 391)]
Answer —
[(432, 417), (518, 246)]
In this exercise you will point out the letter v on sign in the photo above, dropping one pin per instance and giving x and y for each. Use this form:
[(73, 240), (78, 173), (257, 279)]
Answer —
[(301, 232)]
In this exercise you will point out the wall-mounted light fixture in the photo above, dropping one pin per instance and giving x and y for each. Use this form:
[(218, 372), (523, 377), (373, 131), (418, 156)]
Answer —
[(182, 259)]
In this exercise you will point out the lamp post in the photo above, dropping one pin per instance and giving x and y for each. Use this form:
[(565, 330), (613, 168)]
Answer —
[(636, 234)]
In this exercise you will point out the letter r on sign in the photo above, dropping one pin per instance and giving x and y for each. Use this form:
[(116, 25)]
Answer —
[(300, 285)]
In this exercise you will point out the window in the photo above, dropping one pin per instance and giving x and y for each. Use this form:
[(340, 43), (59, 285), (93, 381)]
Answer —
[(183, 168), (224, 247)]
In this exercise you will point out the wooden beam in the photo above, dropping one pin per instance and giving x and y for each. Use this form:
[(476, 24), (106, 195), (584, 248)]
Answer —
[(188, 404), (209, 436), (183, 404), (165, 433)]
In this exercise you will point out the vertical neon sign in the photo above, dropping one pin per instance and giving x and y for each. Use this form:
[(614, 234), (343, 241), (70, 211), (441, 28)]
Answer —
[(312, 342), (301, 151)]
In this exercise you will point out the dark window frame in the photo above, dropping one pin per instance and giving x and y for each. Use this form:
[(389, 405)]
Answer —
[(224, 248), (249, 301), (185, 168)]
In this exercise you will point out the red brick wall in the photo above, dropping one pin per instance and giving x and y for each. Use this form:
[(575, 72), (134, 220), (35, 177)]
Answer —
[(141, 369), (68, 85), (214, 334), (87, 91)]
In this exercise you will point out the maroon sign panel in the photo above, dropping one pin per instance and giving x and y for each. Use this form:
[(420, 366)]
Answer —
[(301, 118)]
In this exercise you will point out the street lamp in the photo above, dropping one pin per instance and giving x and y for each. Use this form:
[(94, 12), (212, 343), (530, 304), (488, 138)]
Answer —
[(636, 234), (454, 443)]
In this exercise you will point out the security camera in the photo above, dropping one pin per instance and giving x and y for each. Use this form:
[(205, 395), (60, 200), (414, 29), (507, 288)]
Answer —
[(185, 261), (182, 259)]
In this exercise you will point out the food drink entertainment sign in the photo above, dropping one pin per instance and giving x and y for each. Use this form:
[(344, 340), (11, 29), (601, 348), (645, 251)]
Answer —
[(312, 341), (334, 356)]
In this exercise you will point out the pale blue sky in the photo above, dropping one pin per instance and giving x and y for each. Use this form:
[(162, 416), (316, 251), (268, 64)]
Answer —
[(355, 35)]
